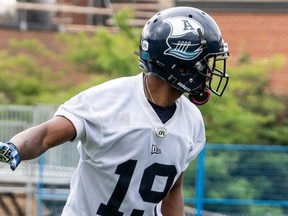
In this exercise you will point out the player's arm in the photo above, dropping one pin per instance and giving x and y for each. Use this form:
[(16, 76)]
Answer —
[(173, 205), (34, 141)]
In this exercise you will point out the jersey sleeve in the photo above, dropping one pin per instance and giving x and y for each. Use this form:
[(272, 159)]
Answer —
[(199, 140), (79, 111), (94, 111)]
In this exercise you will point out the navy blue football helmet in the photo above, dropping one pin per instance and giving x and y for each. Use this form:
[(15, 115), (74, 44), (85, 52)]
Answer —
[(184, 46)]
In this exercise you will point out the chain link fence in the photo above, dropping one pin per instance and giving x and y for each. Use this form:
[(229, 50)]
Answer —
[(242, 180), (38, 186)]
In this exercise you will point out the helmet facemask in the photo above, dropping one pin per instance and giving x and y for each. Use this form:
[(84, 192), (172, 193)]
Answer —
[(213, 66), (216, 71)]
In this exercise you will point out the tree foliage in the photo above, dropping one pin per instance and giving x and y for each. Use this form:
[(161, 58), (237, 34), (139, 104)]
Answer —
[(248, 112), (106, 52), (22, 79)]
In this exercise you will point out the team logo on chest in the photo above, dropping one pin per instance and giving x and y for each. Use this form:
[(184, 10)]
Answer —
[(183, 31), (161, 132)]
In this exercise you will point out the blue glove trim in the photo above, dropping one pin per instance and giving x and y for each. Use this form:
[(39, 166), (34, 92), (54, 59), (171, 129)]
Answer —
[(15, 158)]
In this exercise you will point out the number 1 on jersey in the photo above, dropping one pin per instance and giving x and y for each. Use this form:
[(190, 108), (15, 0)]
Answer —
[(126, 170)]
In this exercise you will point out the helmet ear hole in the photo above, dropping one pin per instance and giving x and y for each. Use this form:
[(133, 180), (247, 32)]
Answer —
[(183, 70)]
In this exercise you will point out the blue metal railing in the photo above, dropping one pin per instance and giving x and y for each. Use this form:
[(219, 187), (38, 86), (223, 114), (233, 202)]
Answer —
[(200, 200)]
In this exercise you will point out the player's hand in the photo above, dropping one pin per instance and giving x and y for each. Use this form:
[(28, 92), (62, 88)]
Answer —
[(9, 154)]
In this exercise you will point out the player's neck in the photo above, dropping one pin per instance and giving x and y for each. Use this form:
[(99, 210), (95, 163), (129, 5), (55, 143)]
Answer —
[(159, 91)]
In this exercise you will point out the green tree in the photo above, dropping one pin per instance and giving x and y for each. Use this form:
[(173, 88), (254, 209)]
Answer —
[(248, 113), (22, 79), (105, 52)]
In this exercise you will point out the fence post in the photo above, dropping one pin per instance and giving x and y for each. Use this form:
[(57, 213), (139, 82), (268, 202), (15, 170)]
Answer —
[(23, 26), (40, 185), (200, 181)]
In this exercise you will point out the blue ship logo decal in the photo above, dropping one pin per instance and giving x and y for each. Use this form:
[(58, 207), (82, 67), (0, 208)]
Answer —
[(183, 31)]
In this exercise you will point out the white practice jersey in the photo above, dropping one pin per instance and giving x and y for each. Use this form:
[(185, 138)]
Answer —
[(129, 159)]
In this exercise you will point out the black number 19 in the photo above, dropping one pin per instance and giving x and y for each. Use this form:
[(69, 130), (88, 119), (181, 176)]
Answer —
[(126, 170)]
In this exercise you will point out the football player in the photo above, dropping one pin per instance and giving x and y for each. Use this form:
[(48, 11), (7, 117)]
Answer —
[(138, 134)]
